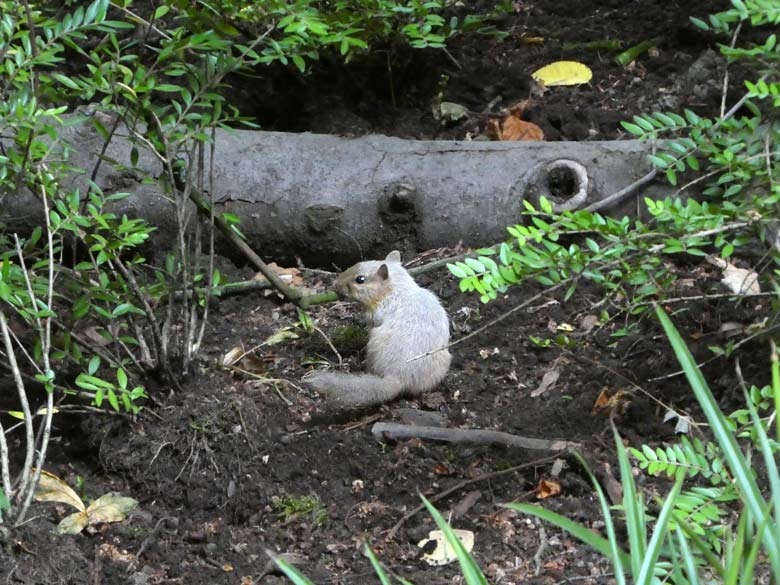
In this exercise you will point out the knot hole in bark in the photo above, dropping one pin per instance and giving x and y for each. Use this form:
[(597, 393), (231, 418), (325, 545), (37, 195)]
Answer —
[(563, 182), (398, 205)]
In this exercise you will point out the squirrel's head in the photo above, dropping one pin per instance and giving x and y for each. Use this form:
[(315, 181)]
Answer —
[(367, 282)]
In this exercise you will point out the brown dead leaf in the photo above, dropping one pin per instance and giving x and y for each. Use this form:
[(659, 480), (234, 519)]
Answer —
[(518, 109), (493, 129), (547, 489), (614, 487), (513, 128), (443, 469), (587, 323), (529, 40), (612, 403), (253, 364), (111, 552), (548, 380)]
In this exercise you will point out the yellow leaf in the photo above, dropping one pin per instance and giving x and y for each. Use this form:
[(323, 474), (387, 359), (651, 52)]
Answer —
[(73, 524), (52, 489), (562, 73), (233, 356), (42, 412), (110, 508)]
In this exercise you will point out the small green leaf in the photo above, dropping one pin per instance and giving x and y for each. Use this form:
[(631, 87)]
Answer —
[(161, 11)]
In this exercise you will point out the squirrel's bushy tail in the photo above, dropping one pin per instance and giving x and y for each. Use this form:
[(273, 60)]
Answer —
[(355, 390)]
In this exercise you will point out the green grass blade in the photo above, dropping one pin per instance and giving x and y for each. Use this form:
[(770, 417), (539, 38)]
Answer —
[(380, 572), (739, 467), (687, 556), (645, 576), (775, 367), (619, 559), (599, 543), (468, 565), (635, 525), (291, 572), (733, 552), (774, 487), (749, 564)]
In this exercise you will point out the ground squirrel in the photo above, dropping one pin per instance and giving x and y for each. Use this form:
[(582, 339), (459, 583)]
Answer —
[(406, 321)]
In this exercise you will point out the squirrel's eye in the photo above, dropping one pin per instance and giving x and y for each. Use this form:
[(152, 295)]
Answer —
[(360, 279)]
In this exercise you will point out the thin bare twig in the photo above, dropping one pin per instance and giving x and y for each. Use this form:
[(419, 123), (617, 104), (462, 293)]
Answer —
[(45, 332), (726, 72)]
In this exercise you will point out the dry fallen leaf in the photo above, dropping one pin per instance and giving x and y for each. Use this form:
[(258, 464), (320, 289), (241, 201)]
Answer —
[(548, 380), (608, 403), (107, 508), (52, 489), (513, 128), (443, 553), (449, 112), (529, 40), (110, 508), (547, 489), (73, 524), (588, 322), (233, 356), (738, 280), (614, 487)]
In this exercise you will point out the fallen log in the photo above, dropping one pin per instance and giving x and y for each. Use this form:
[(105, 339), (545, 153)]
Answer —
[(329, 199)]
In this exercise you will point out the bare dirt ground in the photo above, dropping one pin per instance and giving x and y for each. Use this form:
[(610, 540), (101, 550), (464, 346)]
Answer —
[(219, 467)]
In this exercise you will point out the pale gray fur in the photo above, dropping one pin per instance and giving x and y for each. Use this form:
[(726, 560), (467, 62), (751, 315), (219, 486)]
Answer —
[(409, 321)]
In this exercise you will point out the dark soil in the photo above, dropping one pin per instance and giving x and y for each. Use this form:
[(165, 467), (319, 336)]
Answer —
[(486, 75), (212, 466)]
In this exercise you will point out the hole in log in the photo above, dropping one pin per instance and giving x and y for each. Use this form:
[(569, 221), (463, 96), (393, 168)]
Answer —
[(398, 205), (563, 182)]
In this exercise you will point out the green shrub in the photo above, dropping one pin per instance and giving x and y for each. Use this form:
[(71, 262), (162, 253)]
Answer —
[(303, 29)]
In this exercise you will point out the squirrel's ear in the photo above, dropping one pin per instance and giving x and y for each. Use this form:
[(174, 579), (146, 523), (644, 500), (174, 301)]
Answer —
[(394, 256), (383, 272)]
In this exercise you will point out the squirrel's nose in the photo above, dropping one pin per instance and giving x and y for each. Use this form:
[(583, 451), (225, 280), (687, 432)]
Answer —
[(340, 288)]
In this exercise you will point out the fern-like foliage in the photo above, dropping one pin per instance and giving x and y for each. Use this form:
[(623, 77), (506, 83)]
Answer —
[(704, 509), (692, 457)]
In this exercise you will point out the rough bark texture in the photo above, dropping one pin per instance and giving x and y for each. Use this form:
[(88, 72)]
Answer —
[(332, 200)]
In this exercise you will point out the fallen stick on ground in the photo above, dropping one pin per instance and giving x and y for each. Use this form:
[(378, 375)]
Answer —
[(394, 431)]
